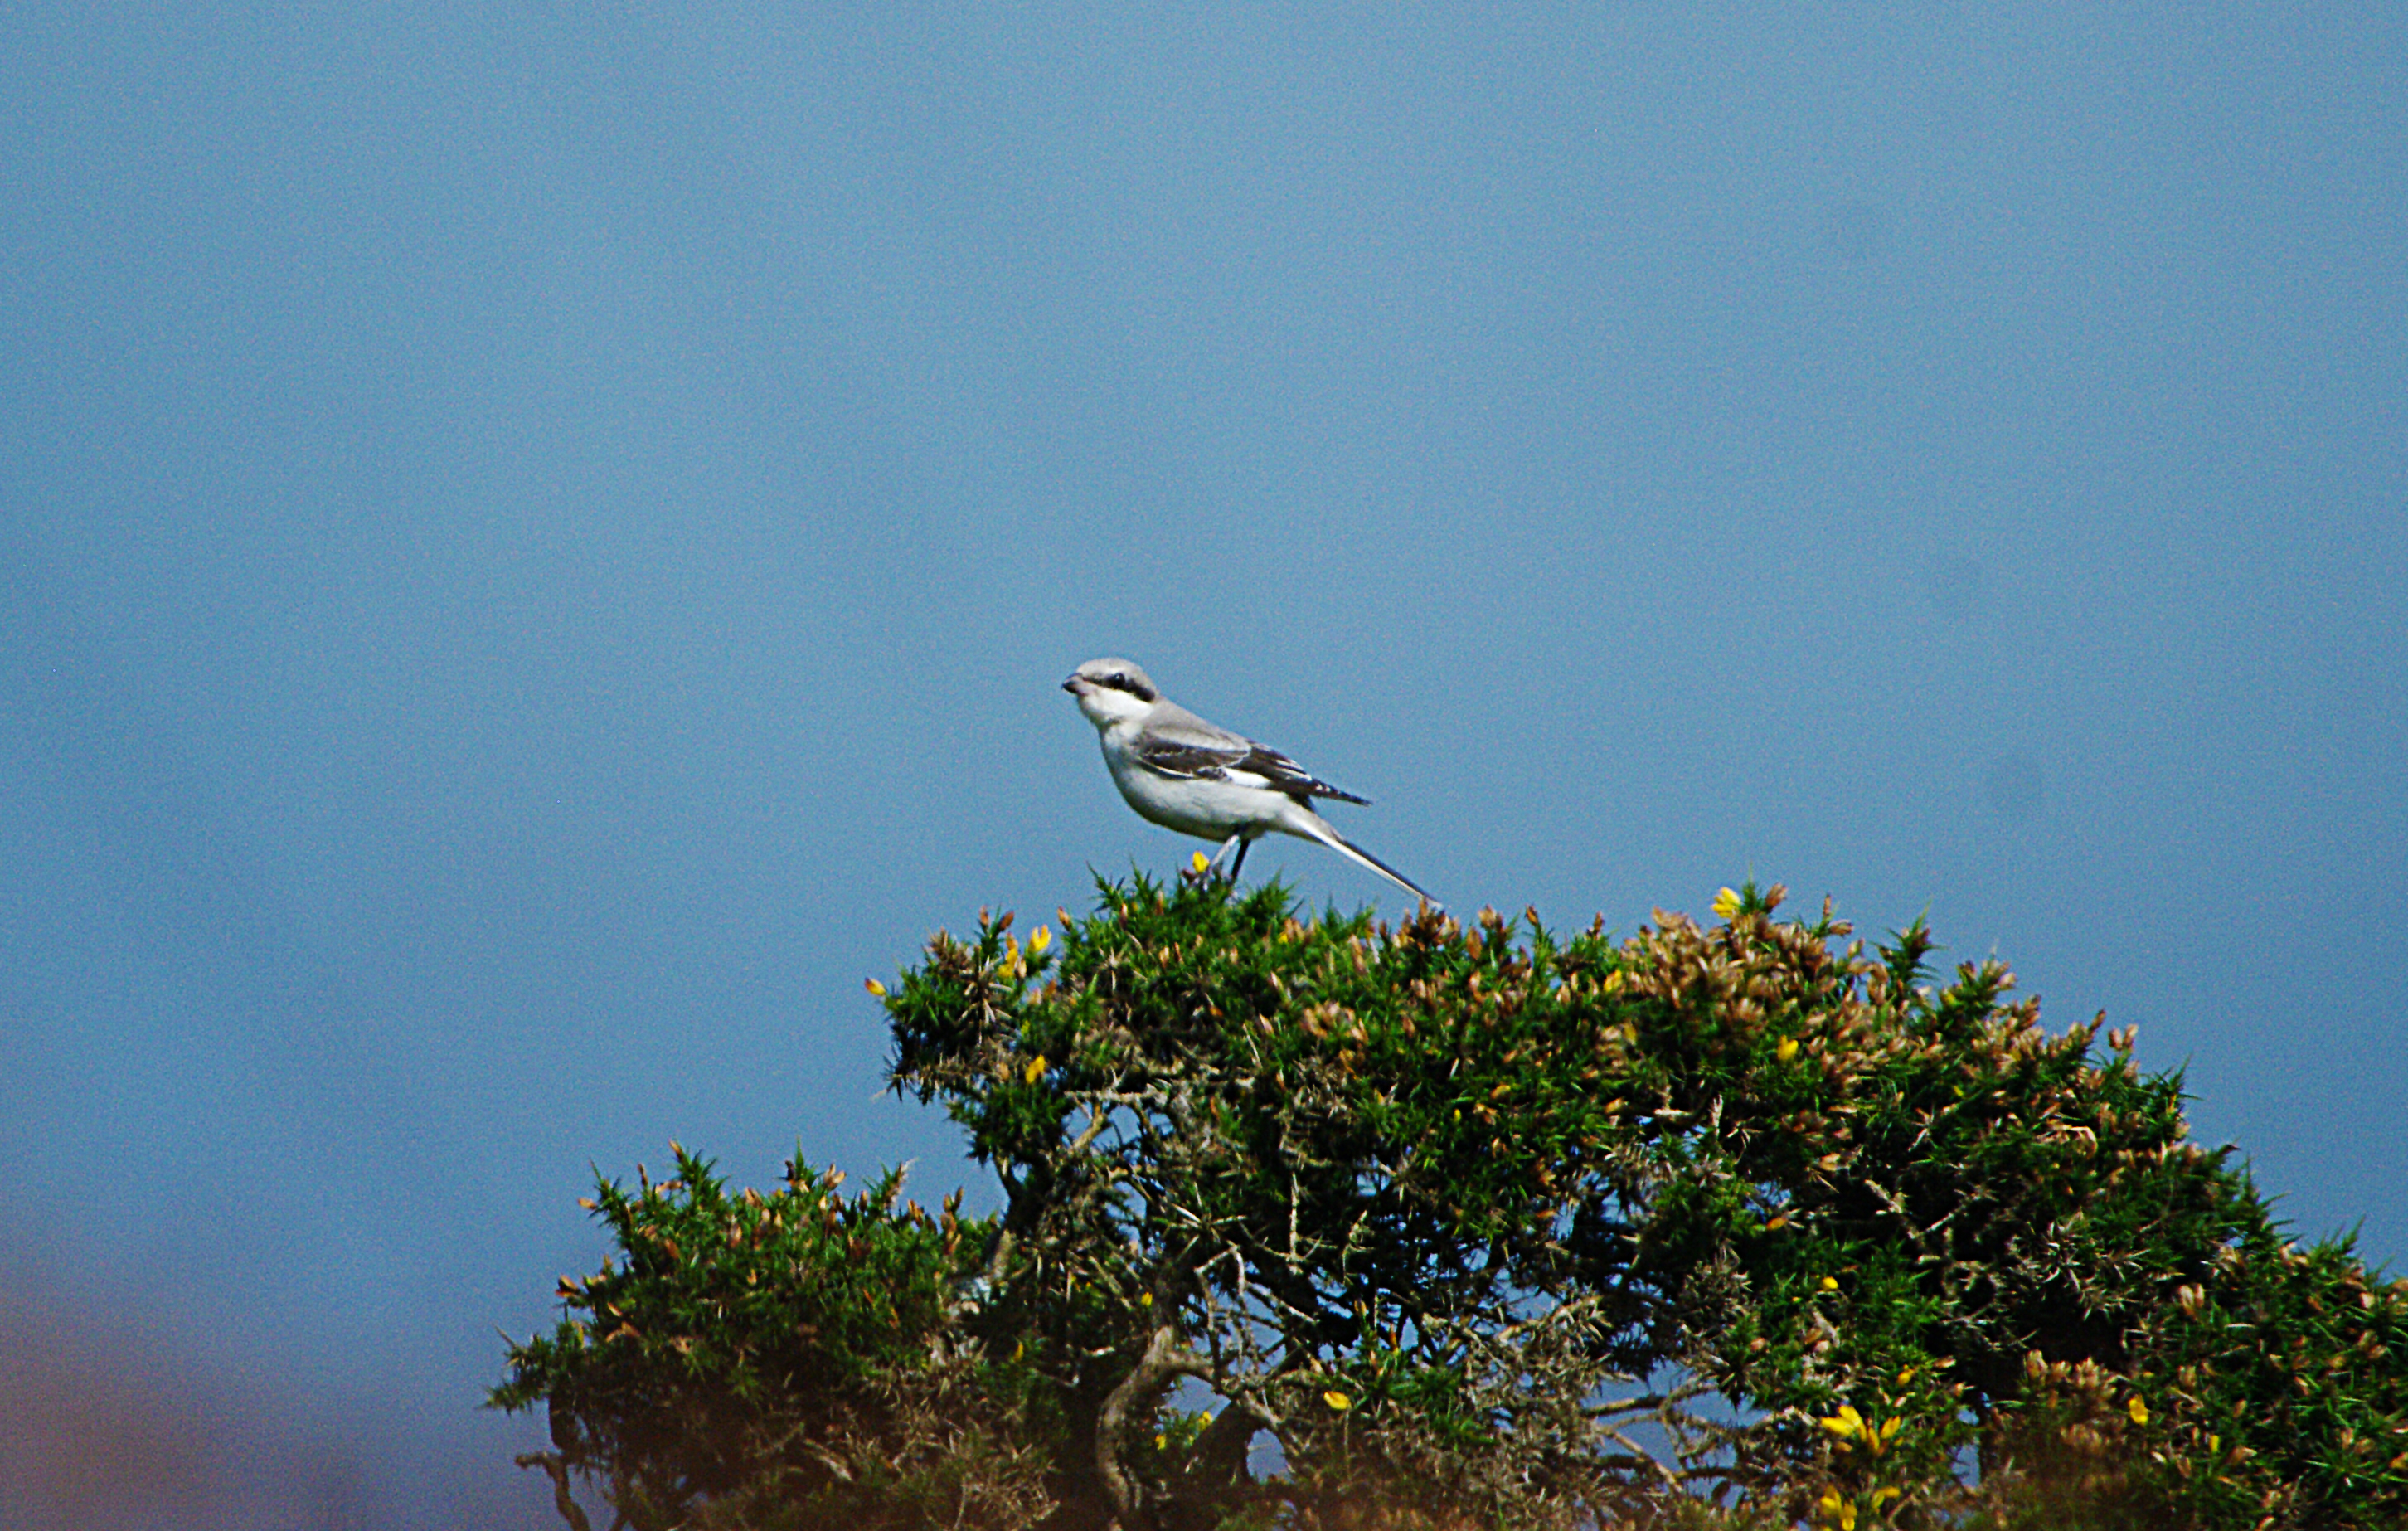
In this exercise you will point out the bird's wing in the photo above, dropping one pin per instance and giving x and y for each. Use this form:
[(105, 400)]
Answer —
[(1178, 758), (1183, 744)]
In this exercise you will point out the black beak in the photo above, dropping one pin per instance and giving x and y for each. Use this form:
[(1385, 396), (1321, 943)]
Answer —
[(1071, 686)]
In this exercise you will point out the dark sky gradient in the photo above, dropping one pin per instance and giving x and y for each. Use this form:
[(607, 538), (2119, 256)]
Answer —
[(537, 544)]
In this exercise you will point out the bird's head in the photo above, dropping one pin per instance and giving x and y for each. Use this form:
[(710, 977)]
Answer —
[(1109, 690)]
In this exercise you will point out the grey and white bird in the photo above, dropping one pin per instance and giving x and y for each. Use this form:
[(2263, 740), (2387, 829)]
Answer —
[(1184, 773)]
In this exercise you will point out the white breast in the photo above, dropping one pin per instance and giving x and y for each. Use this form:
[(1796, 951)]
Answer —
[(1211, 809)]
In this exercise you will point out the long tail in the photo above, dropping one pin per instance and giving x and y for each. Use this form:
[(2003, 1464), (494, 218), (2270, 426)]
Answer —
[(1312, 826)]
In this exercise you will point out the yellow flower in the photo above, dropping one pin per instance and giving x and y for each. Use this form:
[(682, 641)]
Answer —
[(1020, 1349), (1847, 1424), (1788, 1050), (1160, 1441), (1201, 860), (2139, 1410), (1038, 942), (1890, 1426), (1725, 905), (1776, 1222), (1884, 1495), (1145, 1300), (1036, 1069), (1905, 1374), (1830, 1283), (1338, 1401), (874, 987)]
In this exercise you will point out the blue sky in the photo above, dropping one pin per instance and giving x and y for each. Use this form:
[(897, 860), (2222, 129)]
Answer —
[(536, 544)]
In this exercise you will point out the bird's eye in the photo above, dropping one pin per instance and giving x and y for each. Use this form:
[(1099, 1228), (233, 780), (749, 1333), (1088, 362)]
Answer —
[(1117, 680)]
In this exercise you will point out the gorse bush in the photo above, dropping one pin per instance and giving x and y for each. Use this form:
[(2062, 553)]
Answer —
[(771, 1360), (1732, 1224)]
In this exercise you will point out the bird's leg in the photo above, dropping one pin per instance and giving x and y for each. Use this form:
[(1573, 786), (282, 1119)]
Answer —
[(1214, 865), (1244, 845)]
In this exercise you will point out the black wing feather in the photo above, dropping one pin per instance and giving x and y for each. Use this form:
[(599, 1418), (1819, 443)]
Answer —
[(1212, 762)]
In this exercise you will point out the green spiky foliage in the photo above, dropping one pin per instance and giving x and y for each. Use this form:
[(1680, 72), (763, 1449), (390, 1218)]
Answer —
[(779, 1360), (1730, 1223)]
